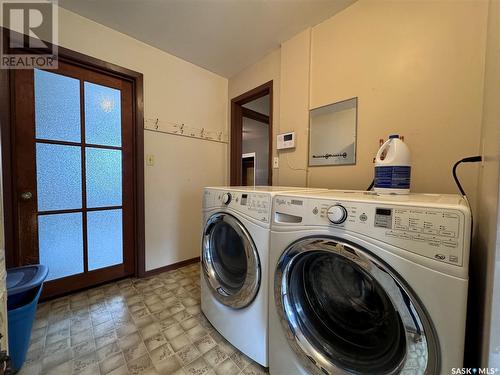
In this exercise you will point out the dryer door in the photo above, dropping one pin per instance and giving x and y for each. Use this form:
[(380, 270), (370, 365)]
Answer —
[(230, 261), (346, 312)]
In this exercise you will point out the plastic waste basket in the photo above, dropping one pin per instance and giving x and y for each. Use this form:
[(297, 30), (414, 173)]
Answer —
[(24, 286)]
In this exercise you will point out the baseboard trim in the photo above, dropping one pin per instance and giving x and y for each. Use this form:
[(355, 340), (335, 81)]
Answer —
[(171, 267)]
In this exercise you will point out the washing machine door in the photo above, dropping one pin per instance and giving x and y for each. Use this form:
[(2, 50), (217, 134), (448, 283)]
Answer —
[(346, 312), (230, 261)]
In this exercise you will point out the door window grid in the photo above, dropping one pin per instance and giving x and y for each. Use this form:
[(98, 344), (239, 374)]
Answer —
[(84, 148)]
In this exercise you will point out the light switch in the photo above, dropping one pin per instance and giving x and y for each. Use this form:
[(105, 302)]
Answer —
[(276, 162), (150, 160)]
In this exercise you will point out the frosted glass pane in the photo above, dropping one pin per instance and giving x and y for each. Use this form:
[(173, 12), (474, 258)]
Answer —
[(104, 177), (105, 244), (61, 244), (59, 177), (57, 107), (102, 115)]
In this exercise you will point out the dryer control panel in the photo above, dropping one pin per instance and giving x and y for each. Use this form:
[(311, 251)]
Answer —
[(439, 233), (255, 205)]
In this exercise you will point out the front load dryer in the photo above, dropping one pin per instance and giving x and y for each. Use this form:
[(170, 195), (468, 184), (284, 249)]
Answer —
[(368, 284), (235, 259)]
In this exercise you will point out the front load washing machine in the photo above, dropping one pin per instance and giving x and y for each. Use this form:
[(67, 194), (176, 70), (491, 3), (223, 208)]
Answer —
[(234, 257), (368, 284)]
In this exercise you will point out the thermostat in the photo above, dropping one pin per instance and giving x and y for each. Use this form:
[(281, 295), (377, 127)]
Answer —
[(285, 140)]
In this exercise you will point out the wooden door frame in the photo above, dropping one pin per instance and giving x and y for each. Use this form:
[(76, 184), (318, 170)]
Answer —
[(237, 114), (7, 137)]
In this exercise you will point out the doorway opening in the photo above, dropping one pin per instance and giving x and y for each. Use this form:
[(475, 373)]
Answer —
[(251, 134), (73, 179), (248, 174)]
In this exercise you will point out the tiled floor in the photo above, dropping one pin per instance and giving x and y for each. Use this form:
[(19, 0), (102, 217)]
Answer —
[(134, 326)]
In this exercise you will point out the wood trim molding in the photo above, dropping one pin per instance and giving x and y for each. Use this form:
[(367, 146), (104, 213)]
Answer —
[(6, 167), (235, 169), (172, 267), (253, 94), (271, 135), (237, 109), (140, 235), (77, 58), (254, 115)]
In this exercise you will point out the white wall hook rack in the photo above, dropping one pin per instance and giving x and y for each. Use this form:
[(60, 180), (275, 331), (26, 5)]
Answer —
[(183, 130)]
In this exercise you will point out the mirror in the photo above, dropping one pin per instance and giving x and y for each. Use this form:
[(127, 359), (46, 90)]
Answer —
[(332, 134)]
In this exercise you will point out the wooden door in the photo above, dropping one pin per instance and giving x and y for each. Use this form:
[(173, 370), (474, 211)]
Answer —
[(73, 172)]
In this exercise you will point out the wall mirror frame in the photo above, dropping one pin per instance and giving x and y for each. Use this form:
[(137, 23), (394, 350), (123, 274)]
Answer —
[(333, 134)]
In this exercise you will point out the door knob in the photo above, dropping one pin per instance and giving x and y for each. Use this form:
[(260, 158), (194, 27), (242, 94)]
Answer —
[(26, 196)]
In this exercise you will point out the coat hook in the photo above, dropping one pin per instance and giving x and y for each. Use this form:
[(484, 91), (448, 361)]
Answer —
[(156, 124)]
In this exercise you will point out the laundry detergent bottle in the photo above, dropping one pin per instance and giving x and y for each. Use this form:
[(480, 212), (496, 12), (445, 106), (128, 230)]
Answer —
[(393, 167)]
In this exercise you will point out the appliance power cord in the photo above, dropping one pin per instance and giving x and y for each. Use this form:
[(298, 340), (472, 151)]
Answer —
[(470, 159), (371, 185)]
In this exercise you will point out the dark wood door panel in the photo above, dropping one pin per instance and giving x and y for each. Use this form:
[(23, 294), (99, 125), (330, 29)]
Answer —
[(25, 180), (24, 160)]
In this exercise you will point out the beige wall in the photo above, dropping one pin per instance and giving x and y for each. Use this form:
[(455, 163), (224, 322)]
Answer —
[(177, 91), (417, 68), (267, 69), (486, 252), (294, 114)]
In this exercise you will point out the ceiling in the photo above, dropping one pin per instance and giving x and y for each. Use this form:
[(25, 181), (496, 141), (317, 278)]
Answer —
[(260, 105), (223, 36)]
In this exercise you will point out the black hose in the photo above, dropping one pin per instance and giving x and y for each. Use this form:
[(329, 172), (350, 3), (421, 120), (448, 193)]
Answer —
[(471, 159), (371, 185)]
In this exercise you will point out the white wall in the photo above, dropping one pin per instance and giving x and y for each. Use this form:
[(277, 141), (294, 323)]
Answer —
[(177, 91)]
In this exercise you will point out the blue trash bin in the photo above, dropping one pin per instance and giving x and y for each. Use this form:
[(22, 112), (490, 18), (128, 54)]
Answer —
[(24, 286)]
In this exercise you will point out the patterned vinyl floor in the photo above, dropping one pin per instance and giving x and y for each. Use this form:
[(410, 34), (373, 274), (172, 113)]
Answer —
[(134, 326)]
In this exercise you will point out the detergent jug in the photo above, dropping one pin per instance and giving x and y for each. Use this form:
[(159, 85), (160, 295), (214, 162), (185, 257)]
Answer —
[(393, 167)]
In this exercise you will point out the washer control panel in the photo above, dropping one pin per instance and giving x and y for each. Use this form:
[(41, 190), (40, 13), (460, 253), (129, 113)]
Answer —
[(337, 214), (440, 234), (255, 205)]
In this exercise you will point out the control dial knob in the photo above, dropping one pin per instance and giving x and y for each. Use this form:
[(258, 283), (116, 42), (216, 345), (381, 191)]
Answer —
[(337, 214), (226, 198)]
